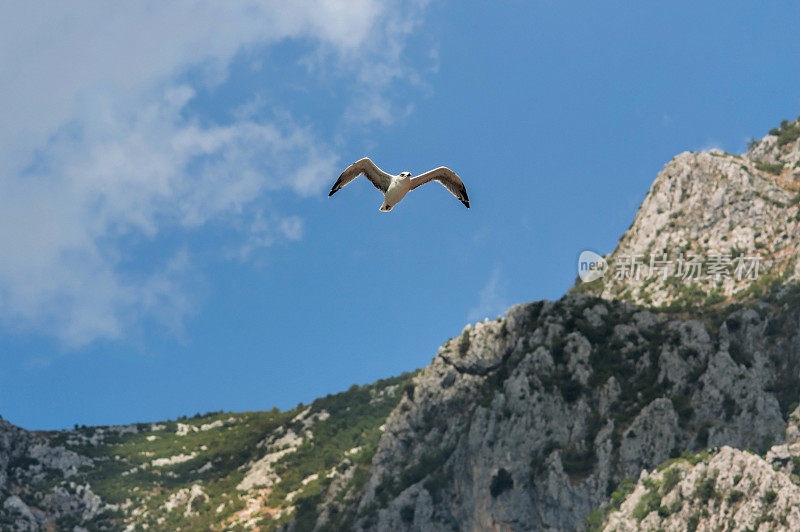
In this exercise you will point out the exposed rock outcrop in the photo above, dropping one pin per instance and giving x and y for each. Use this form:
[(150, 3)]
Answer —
[(729, 488), (710, 223), (579, 394), (28, 498)]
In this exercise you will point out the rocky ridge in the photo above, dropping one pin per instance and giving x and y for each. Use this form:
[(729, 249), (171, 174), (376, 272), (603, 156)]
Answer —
[(30, 499), (726, 488), (706, 221), (218, 471), (531, 422)]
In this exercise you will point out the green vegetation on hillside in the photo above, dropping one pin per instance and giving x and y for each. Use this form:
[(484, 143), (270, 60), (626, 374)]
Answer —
[(183, 474), (788, 132)]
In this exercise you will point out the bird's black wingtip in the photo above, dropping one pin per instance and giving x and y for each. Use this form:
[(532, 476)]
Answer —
[(331, 192)]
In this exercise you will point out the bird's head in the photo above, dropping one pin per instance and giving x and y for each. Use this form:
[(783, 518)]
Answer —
[(405, 174)]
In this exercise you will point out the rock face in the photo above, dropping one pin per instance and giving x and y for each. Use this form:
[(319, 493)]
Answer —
[(532, 421), (729, 488), (706, 221), (27, 500)]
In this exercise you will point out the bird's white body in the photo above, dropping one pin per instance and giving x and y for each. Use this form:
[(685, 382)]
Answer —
[(395, 187), (397, 190)]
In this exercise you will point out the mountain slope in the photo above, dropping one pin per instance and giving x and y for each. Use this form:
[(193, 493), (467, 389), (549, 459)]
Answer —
[(41, 483), (721, 211), (726, 487), (533, 421), (217, 471)]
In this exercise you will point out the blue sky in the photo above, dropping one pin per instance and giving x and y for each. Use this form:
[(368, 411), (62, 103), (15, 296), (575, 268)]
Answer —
[(167, 245)]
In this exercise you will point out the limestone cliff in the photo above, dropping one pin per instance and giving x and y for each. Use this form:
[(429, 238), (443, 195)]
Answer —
[(532, 421), (725, 488), (30, 496), (711, 223)]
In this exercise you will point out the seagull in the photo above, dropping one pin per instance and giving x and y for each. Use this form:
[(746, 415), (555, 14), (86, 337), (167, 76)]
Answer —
[(395, 187)]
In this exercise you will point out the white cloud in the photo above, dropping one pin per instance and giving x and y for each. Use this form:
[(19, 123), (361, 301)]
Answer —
[(292, 228), (712, 145), (491, 302), (133, 172), (98, 145), (265, 231), (54, 53)]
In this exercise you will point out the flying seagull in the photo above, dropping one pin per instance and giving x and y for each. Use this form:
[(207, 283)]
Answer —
[(395, 187)]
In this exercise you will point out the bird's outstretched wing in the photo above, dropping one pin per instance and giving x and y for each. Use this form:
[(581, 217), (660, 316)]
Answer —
[(378, 177), (446, 177)]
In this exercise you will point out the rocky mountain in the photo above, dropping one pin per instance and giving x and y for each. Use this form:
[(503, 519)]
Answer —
[(663, 402), (27, 462), (531, 422), (711, 223), (723, 487), (223, 471)]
